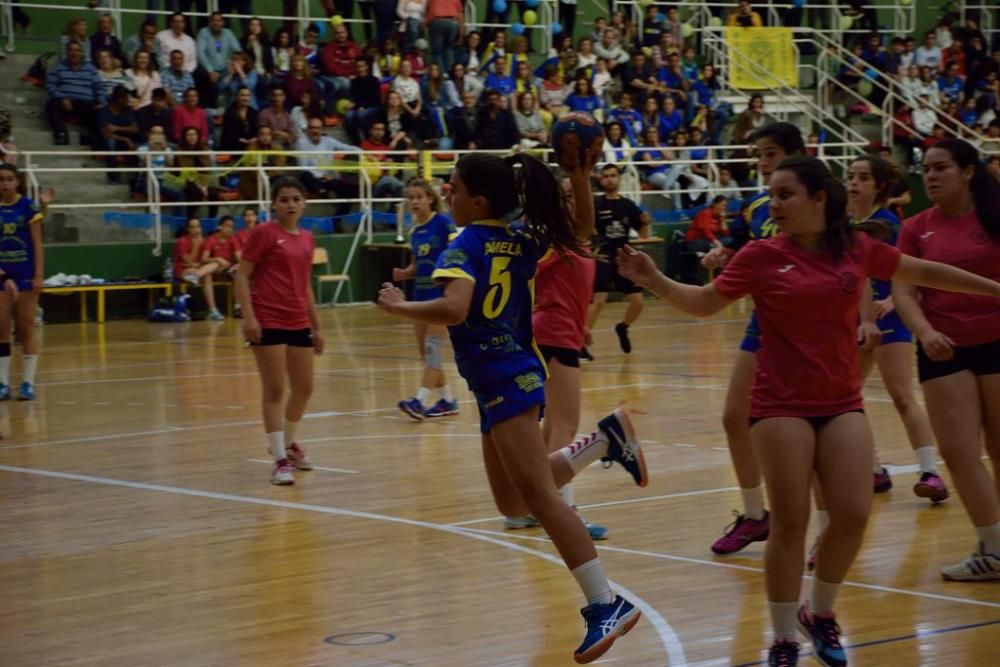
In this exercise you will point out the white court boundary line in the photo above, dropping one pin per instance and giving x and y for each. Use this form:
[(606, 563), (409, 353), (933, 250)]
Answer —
[(745, 568), (668, 637)]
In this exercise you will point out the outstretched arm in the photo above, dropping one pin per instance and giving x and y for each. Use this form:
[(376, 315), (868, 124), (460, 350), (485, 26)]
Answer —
[(450, 309), (698, 301), (943, 277)]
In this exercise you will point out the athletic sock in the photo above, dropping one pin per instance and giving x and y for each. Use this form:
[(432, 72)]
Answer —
[(447, 394), (784, 619), (585, 451), (423, 394), (877, 469), (753, 502), (822, 521), (927, 458), (276, 445), (990, 537), (567, 494), (824, 595), (291, 429), (30, 364), (593, 583), (5, 363)]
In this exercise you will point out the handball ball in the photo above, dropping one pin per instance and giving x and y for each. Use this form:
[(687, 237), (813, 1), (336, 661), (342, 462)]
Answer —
[(576, 131)]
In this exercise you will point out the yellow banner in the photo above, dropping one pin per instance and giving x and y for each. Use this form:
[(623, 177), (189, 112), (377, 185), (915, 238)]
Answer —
[(761, 58)]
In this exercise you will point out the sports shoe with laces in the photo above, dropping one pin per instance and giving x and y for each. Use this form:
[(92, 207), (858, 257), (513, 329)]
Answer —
[(980, 566), (298, 458), (741, 533), (596, 531), (605, 623), (281, 475), (26, 392), (783, 653), (621, 329), (519, 522), (623, 445), (882, 481), (931, 486), (215, 316), (825, 635), (4, 392), (442, 408), (413, 408)]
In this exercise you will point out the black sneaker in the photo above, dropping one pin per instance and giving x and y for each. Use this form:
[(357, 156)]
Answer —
[(622, 330), (585, 354), (783, 653), (623, 445)]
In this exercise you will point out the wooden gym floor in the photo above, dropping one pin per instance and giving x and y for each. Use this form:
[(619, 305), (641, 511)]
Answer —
[(139, 527)]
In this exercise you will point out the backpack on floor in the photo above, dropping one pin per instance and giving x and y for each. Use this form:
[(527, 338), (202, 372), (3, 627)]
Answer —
[(171, 309), (37, 71)]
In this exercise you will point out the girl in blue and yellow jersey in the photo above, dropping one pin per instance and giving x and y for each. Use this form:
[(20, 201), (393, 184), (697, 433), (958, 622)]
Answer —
[(22, 258), (431, 232), (888, 342), (512, 211)]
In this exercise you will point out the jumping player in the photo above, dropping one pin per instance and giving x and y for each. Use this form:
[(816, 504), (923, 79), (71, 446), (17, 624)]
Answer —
[(22, 260), (280, 322), (616, 217), (429, 236), (487, 273), (807, 414)]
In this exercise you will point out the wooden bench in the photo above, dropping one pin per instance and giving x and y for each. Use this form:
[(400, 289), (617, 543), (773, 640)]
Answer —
[(103, 288)]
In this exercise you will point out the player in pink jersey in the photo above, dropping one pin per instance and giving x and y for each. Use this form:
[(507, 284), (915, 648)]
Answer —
[(281, 323), (806, 410)]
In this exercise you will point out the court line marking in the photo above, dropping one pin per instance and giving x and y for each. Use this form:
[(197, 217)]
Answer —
[(343, 470), (746, 568), (668, 637)]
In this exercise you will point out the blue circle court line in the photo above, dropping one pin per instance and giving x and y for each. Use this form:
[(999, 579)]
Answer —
[(919, 634)]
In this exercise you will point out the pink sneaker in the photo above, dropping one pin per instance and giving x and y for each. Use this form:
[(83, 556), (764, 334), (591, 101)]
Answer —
[(882, 481), (282, 473), (297, 457), (931, 486), (742, 532)]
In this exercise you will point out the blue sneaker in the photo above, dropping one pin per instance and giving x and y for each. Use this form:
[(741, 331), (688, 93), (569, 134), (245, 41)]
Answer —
[(623, 446), (413, 408), (4, 392), (825, 635), (605, 623), (597, 531), (442, 408), (26, 392)]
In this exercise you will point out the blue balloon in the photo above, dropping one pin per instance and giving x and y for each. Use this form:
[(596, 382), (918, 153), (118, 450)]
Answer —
[(798, 4), (531, 4), (517, 28), (321, 25), (499, 6), (871, 74), (661, 17), (556, 28)]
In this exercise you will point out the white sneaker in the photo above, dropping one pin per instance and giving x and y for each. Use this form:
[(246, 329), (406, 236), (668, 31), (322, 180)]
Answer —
[(282, 473), (980, 566), (297, 457), (191, 278)]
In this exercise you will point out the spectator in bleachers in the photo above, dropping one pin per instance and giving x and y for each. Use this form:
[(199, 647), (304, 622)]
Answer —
[(309, 47), (75, 90), (300, 81), (623, 26), (239, 124), (553, 91), (744, 16), (458, 84), (910, 85), (76, 31), (726, 187), (602, 82), (583, 98), (187, 115), (909, 55), (467, 55), (387, 63), (600, 26), (154, 114), (929, 53), (261, 151), (220, 253), (673, 81), (954, 55), (365, 100), (524, 79), (585, 53), (652, 27), (708, 228), (144, 40), (340, 64), (673, 26), (144, 78), (463, 122), (498, 79), (671, 119), (929, 87), (411, 17), (399, 118), (105, 40), (119, 131), (894, 57), (216, 45), (175, 39), (693, 173), (529, 123), (496, 129), (611, 50), (240, 74), (874, 54), (282, 52), (317, 175), (661, 51), (160, 159), (176, 80), (629, 117), (385, 182), (706, 91), (749, 120), (616, 144), (256, 43), (639, 79), (311, 106), (111, 74), (433, 95), (924, 118), (196, 180), (952, 84), (277, 117), (905, 134), (445, 22)]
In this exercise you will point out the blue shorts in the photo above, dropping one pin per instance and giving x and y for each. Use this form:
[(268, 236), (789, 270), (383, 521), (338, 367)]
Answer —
[(893, 330), (751, 337), (509, 398), (23, 276), (427, 293)]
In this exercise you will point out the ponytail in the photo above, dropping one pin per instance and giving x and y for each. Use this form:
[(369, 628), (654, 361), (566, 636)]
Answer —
[(984, 187), (838, 235)]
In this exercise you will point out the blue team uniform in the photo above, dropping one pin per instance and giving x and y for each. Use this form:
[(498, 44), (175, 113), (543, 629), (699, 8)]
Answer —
[(761, 227), (494, 347), (892, 327), (17, 251), (428, 241)]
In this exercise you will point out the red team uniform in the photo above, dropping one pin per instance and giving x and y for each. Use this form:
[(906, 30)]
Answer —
[(563, 289), (226, 249), (279, 287)]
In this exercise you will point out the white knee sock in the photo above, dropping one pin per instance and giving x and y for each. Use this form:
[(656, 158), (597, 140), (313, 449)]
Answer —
[(784, 619), (927, 458), (423, 394), (447, 394), (567, 494), (753, 502), (990, 537), (593, 583), (291, 429), (824, 594), (5, 368), (30, 363), (585, 451), (276, 445)]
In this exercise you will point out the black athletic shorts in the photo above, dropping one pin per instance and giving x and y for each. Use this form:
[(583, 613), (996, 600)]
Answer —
[(816, 422), (290, 337), (979, 359), (563, 355), (607, 279)]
